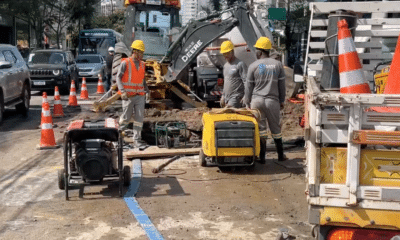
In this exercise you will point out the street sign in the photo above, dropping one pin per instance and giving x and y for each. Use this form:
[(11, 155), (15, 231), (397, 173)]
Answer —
[(277, 13)]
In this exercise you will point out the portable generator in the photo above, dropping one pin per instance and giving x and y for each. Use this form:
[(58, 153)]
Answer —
[(93, 155), (230, 138)]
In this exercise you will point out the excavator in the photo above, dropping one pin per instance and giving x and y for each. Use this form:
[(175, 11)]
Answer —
[(169, 57)]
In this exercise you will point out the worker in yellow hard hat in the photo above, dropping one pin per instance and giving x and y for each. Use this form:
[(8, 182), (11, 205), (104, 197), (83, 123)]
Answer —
[(133, 88), (265, 91), (235, 72)]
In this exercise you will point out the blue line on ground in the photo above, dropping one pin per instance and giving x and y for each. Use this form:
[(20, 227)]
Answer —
[(133, 205)]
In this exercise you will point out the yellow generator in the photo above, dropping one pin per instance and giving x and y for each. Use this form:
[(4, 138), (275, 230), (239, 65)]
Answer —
[(230, 138)]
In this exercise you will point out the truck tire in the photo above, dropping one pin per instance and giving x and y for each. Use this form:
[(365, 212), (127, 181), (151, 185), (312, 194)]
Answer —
[(116, 64), (23, 108), (127, 176), (64, 89)]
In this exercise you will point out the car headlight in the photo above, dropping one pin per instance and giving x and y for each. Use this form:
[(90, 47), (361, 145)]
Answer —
[(57, 72)]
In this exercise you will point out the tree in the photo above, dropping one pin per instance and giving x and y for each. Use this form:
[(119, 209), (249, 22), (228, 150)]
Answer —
[(57, 18), (82, 11), (115, 21)]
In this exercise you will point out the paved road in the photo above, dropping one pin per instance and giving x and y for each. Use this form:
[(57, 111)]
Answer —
[(184, 202)]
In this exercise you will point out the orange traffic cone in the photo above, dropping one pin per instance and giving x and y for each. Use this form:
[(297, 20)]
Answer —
[(393, 80), (47, 139), (100, 87), (84, 91), (45, 113), (73, 102), (352, 79), (57, 110)]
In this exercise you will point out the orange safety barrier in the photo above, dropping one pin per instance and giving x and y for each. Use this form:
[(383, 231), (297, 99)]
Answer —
[(47, 139), (84, 91), (352, 79), (100, 87), (57, 109), (73, 102)]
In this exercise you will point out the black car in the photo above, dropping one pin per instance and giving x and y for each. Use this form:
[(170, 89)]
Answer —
[(52, 67)]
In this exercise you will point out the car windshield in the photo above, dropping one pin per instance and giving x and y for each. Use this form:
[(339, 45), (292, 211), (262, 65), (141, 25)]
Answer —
[(88, 59), (46, 58)]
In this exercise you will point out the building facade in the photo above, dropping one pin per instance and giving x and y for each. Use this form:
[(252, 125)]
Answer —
[(109, 6), (188, 11)]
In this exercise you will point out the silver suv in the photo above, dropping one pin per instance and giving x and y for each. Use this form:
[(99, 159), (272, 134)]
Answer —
[(14, 80)]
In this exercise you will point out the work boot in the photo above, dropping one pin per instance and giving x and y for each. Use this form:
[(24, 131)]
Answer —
[(263, 150), (279, 149)]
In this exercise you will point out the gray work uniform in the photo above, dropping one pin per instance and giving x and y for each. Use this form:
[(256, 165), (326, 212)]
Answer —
[(234, 78), (133, 106), (265, 88)]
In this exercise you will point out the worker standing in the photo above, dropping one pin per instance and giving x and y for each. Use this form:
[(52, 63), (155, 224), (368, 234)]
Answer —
[(109, 61), (133, 88), (265, 91), (234, 77)]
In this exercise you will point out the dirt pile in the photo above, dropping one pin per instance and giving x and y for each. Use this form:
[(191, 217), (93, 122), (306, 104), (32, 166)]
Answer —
[(192, 117)]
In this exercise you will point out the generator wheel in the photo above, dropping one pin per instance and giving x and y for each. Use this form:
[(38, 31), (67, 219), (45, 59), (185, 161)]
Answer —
[(61, 179), (202, 159), (225, 169), (127, 176)]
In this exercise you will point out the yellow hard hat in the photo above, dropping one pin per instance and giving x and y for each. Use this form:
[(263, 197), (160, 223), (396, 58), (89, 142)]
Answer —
[(138, 45), (263, 43), (227, 46)]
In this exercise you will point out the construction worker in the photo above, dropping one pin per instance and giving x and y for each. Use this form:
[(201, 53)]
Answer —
[(234, 77), (109, 61), (133, 88), (265, 91)]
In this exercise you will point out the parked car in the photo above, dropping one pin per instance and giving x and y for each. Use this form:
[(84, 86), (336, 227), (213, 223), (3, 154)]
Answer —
[(14, 80), (52, 67), (91, 65)]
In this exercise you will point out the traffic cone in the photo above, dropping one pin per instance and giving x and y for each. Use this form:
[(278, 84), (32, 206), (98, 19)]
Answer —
[(84, 91), (47, 139), (100, 87), (393, 80), (45, 114), (57, 109), (352, 79), (73, 102)]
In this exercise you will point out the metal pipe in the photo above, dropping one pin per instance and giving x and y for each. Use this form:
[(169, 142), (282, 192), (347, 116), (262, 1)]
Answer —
[(162, 166)]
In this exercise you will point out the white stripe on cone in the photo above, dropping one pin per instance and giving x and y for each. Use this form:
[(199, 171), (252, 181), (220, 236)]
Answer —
[(46, 113), (351, 78), (73, 93), (346, 45), (47, 126), (83, 88), (56, 102)]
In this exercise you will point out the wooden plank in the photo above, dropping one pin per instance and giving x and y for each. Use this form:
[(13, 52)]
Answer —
[(377, 56), (362, 33), (364, 7), (154, 152), (321, 45), (362, 21)]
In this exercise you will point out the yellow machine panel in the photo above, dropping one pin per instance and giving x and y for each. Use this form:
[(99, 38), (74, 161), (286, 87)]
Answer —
[(381, 79), (377, 167), (333, 165), (380, 168), (384, 219), (209, 120)]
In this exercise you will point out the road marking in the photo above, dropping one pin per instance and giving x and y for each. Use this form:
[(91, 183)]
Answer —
[(133, 205)]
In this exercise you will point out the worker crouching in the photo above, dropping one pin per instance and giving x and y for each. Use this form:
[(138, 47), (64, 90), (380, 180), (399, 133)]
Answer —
[(234, 77), (265, 91), (133, 88)]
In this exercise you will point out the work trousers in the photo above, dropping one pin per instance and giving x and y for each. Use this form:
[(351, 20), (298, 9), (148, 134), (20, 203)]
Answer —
[(108, 82), (133, 107), (234, 102), (270, 116)]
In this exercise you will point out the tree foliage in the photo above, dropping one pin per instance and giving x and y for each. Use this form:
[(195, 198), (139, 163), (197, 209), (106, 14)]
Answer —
[(115, 21)]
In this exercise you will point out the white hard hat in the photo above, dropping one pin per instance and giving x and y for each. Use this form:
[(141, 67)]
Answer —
[(111, 49)]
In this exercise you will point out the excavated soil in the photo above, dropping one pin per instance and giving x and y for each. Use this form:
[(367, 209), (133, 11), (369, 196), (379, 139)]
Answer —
[(291, 114)]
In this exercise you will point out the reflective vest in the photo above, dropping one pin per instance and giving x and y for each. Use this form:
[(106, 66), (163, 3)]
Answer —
[(132, 80)]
